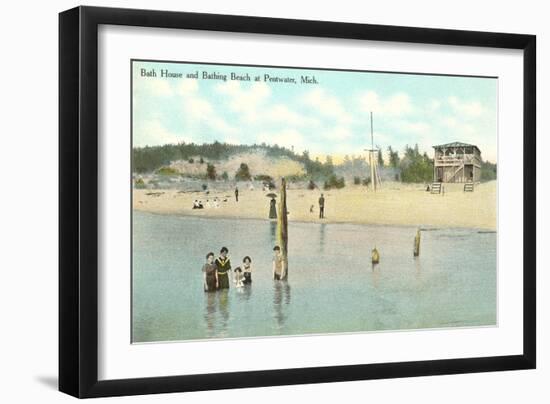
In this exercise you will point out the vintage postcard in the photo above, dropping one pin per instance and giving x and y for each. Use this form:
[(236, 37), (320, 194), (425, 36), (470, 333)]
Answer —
[(281, 201)]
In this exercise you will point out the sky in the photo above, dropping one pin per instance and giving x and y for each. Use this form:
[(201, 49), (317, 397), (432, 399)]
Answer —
[(330, 116)]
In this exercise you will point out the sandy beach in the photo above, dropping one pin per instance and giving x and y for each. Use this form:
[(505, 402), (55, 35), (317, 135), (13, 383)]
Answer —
[(394, 204)]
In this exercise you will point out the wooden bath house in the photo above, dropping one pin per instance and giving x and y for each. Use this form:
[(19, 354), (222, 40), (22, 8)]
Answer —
[(457, 162)]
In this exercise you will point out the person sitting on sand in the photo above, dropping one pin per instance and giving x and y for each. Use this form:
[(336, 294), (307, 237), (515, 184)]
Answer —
[(279, 269), (223, 266), (239, 278), (247, 270), (209, 271), (196, 204)]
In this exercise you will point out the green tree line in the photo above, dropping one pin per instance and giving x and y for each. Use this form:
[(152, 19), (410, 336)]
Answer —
[(415, 167)]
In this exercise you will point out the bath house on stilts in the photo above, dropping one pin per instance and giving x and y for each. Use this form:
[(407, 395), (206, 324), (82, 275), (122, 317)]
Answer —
[(456, 163)]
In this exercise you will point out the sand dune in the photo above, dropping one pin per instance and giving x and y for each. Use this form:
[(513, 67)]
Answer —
[(258, 163)]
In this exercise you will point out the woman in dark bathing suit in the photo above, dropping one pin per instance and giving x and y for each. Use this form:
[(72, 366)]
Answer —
[(209, 270), (247, 270), (223, 266)]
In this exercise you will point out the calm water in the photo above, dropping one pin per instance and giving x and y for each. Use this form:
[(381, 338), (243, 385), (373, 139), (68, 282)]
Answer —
[(332, 285)]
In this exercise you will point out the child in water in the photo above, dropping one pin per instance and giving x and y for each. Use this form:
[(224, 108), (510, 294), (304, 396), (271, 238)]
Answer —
[(239, 277)]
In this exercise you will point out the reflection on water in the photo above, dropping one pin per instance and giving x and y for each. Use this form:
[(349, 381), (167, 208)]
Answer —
[(322, 237), (281, 298), (244, 293), (210, 313), (417, 268), (375, 270), (216, 313), (273, 231), (335, 287)]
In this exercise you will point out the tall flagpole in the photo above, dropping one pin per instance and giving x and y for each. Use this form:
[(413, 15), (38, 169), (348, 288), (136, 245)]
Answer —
[(371, 156), (371, 133)]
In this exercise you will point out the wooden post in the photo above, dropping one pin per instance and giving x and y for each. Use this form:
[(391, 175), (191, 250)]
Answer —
[(416, 251), (282, 227)]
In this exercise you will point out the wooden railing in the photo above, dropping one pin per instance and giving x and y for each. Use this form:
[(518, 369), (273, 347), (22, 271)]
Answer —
[(451, 160)]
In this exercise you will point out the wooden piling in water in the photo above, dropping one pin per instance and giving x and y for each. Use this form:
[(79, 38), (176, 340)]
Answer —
[(282, 226), (416, 251)]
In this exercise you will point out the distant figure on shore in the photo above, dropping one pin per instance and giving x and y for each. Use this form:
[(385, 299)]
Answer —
[(273, 209), (247, 270), (279, 269), (322, 207), (236, 194), (311, 208), (223, 269), (197, 205), (210, 273)]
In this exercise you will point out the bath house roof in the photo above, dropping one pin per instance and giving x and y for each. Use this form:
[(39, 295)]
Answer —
[(455, 144)]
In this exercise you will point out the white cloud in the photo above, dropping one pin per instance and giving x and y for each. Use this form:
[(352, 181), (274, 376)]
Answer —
[(152, 132), (245, 101), (251, 104), (221, 125), (327, 105), (338, 133), (396, 105), (434, 105), (187, 87), (467, 109), (418, 128), (197, 107), (197, 110), (282, 114), (156, 87), (450, 122), (457, 127)]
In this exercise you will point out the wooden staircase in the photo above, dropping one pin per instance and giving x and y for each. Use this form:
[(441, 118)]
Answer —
[(436, 188), (469, 187)]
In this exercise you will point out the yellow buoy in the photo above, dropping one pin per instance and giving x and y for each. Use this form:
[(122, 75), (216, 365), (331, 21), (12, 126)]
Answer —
[(375, 256)]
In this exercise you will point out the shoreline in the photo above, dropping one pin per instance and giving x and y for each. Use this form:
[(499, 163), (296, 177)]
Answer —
[(422, 227), (396, 205)]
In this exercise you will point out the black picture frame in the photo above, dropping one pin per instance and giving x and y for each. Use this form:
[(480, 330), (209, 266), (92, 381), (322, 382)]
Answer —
[(78, 200)]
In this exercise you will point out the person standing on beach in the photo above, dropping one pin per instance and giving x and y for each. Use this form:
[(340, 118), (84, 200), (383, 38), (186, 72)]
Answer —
[(273, 209), (223, 269), (236, 194), (279, 269), (210, 272), (322, 207)]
